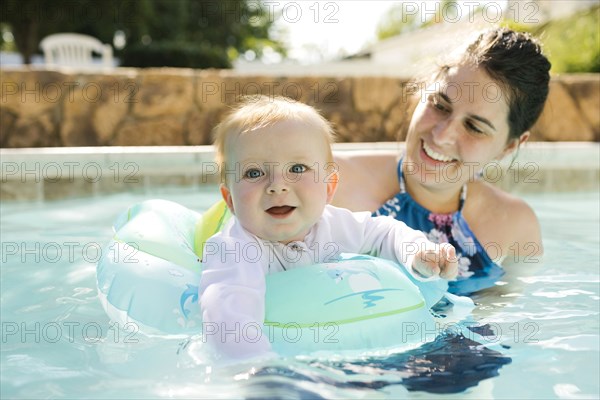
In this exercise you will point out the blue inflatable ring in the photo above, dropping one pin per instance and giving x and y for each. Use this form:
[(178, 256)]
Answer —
[(150, 277)]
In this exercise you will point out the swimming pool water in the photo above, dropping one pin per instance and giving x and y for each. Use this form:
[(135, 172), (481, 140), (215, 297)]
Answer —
[(57, 342)]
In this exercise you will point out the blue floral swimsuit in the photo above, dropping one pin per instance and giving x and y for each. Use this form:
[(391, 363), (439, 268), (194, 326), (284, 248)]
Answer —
[(476, 270)]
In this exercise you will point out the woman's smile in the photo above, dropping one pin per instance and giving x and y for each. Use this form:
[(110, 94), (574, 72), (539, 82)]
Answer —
[(434, 155)]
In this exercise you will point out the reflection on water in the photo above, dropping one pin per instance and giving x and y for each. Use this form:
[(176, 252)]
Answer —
[(450, 364)]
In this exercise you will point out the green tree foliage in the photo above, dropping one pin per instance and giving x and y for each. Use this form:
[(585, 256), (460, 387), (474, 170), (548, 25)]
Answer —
[(396, 22), (207, 33), (572, 44), (32, 20), (404, 18)]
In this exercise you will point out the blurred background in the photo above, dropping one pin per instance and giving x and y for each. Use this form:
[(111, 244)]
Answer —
[(164, 72), (252, 34)]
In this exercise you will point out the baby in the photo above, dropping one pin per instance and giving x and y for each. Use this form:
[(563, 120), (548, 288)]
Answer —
[(278, 180)]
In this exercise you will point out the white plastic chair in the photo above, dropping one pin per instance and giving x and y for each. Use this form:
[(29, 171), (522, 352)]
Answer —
[(75, 50)]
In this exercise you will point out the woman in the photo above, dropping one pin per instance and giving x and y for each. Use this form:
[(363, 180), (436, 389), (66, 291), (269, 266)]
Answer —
[(477, 109)]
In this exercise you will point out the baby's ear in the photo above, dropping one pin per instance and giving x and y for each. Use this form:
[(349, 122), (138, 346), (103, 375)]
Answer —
[(226, 194), (332, 182)]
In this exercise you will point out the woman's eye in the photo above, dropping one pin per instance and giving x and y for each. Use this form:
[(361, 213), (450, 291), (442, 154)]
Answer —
[(253, 173), (298, 168), (473, 128), (437, 103)]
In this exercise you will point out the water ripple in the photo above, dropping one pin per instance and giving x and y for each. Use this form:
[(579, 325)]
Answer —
[(571, 343)]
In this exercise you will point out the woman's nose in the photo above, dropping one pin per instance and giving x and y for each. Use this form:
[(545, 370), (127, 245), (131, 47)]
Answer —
[(445, 132)]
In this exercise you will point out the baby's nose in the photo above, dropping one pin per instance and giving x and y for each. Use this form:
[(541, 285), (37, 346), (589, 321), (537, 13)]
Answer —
[(277, 186)]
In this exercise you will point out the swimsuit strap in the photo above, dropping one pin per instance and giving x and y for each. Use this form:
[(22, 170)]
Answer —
[(463, 191)]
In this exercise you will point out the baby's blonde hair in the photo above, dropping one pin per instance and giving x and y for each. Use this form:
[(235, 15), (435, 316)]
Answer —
[(264, 111)]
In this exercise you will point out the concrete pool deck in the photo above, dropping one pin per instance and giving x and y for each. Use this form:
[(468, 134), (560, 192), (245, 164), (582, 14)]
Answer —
[(52, 173)]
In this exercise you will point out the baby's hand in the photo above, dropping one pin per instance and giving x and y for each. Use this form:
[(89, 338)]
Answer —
[(437, 260)]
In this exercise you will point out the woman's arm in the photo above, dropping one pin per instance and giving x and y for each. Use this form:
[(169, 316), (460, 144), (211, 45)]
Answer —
[(366, 179), (504, 224), (509, 231)]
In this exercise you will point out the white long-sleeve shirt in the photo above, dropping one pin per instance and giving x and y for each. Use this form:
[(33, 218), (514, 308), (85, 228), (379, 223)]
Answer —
[(235, 262)]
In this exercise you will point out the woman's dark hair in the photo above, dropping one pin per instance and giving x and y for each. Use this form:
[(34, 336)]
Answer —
[(515, 61)]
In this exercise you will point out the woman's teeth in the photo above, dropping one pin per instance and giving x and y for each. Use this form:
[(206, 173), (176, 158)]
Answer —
[(435, 155)]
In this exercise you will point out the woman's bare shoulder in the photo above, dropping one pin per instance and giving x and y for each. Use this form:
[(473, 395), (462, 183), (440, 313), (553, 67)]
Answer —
[(498, 217), (366, 179)]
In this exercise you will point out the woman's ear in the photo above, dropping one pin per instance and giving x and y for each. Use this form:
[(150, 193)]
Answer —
[(514, 144), (524, 137), (226, 194)]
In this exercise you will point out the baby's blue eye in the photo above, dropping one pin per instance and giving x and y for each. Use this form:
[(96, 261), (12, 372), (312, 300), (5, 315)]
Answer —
[(253, 173), (298, 168)]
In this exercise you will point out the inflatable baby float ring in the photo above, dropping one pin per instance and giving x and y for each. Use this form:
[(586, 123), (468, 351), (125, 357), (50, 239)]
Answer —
[(152, 273)]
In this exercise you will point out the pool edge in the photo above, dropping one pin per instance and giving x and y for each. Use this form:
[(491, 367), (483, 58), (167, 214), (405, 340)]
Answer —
[(67, 172)]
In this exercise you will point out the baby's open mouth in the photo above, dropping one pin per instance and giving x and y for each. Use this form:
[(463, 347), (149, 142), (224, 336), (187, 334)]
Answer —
[(280, 211)]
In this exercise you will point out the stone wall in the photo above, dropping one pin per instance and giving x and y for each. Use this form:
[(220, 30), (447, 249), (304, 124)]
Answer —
[(46, 108)]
